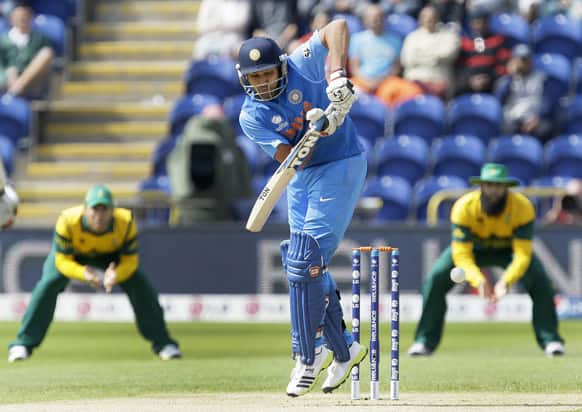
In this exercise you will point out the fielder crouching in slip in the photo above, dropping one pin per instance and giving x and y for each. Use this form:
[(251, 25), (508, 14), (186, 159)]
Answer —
[(490, 227), (285, 94), (94, 243)]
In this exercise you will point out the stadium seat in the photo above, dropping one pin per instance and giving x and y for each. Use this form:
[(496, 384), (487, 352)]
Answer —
[(186, 107), (4, 25), (369, 115), (354, 23), (396, 195), (563, 156), (54, 29), (558, 71), (476, 115), (423, 116), (400, 24), (7, 154), (15, 118), (523, 156), (370, 155), (513, 26), (543, 204), (557, 34), (158, 186), (572, 116), (460, 156), (63, 9), (427, 187), (215, 76), (405, 156), (577, 76), (232, 106)]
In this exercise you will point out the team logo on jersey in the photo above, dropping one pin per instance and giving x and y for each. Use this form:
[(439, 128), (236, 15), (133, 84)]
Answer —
[(276, 119), (306, 52), (295, 96), (255, 55), (314, 271)]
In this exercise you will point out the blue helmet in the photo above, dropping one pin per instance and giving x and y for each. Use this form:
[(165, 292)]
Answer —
[(258, 54)]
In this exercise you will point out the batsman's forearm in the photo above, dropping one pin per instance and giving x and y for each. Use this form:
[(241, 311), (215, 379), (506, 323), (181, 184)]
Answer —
[(463, 258), (336, 38), (126, 267), (67, 266)]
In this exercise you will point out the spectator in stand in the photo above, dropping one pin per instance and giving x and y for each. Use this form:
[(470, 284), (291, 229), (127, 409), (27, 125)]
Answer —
[(373, 52), (319, 20), (567, 209), (571, 8), (223, 26), (428, 54), (482, 57), (26, 56), (521, 93), (275, 19), (450, 11)]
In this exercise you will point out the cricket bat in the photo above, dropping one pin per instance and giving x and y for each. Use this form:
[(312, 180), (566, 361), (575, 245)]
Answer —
[(272, 191)]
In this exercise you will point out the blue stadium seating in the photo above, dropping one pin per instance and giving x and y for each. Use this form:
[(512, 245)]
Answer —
[(558, 71), (369, 154), (64, 9), (427, 187), (523, 156), (476, 115), (232, 106), (354, 23), (459, 155), (4, 25), (557, 34), (400, 24), (513, 26), (572, 116), (15, 117), (155, 184), (53, 28), (215, 76), (577, 76), (7, 154), (563, 156), (405, 156), (186, 107), (396, 195), (422, 116), (369, 115)]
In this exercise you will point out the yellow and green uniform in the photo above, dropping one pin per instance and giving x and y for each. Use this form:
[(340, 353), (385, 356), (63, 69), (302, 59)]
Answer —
[(480, 240), (76, 246)]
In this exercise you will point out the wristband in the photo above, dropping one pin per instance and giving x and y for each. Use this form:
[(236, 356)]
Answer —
[(337, 73)]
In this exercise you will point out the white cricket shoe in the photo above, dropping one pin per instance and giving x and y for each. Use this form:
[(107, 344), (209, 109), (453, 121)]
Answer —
[(17, 353), (339, 371), (555, 348), (304, 376), (419, 349), (170, 351)]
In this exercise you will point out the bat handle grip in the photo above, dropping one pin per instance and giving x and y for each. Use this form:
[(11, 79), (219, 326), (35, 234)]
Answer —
[(320, 124)]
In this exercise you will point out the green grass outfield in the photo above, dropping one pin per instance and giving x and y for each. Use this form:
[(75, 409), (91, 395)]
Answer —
[(98, 360)]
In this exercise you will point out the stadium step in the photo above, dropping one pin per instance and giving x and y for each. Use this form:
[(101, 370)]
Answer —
[(78, 170), (134, 70), (80, 110), (146, 30), (144, 130), (136, 50), (29, 191), (121, 91), (95, 151), (140, 10)]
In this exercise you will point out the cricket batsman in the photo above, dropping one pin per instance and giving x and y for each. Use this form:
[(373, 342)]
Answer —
[(492, 226), (286, 93), (94, 243)]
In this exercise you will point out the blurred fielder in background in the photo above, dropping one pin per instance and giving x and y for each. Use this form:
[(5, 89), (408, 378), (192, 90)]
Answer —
[(95, 243), (8, 201), (490, 227), (285, 94)]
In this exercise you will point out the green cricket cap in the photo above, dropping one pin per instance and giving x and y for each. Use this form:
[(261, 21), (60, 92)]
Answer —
[(99, 195), (494, 173)]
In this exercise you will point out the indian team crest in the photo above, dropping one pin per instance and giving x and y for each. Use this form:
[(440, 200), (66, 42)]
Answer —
[(295, 96), (255, 55)]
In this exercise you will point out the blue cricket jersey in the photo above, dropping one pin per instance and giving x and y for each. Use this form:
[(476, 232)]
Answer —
[(282, 120)]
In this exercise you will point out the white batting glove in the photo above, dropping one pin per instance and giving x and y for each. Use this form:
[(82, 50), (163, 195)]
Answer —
[(334, 119), (340, 91)]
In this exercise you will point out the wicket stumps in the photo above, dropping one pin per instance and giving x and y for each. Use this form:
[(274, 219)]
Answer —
[(394, 271)]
